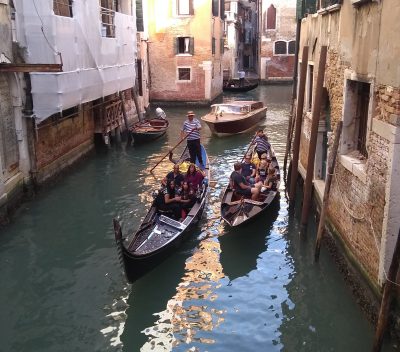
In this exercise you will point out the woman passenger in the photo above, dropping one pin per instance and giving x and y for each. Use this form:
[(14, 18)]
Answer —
[(194, 177), (168, 200), (188, 198)]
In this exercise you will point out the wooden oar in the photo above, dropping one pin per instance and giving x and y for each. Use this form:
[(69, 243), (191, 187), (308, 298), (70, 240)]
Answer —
[(170, 151), (251, 143)]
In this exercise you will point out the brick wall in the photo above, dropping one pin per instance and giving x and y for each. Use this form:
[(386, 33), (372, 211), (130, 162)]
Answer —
[(388, 104), (57, 139), (280, 67)]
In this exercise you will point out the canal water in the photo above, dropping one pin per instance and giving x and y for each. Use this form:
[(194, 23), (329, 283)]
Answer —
[(251, 289)]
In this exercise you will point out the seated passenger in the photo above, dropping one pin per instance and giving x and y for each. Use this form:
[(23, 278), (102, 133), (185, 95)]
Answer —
[(249, 169), (262, 171), (188, 198), (167, 200), (176, 175), (271, 181), (240, 185), (194, 177)]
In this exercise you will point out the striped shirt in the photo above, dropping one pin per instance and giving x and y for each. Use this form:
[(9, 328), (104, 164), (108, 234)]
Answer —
[(262, 145), (189, 125)]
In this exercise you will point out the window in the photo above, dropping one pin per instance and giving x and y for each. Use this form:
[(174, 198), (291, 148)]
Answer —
[(213, 46), (107, 14), (184, 7), (215, 5), (271, 17), (221, 46), (355, 116), (292, 47), (139, 16), (183, 73), (184, 45), (280, 47), (62, 8)]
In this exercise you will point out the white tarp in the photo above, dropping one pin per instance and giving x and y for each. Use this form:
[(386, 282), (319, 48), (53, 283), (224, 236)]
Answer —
[(93, 66)]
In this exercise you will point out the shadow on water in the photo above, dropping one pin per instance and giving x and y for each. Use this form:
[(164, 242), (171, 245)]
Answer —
[(241, 249)]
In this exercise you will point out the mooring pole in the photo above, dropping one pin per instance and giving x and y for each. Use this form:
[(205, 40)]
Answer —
[(288, 140), (387, 298), (316, 112), (328, 182), (298, 122)]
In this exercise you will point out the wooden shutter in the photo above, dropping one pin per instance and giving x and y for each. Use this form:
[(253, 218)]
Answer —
[(191, 11), (191, 46)]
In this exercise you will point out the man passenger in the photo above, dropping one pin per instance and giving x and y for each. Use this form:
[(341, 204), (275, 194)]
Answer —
[(240, 185)]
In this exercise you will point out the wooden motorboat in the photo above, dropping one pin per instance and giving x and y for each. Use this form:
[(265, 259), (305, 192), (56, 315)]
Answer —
[(234, 117), (237, 210), (148, 130), (233, 85), (158, 234)]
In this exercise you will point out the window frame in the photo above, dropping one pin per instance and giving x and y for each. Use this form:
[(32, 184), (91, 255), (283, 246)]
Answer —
[(62, 3), (286, 48), (179, 42), (270, 8), (178, 77), (190, 11)]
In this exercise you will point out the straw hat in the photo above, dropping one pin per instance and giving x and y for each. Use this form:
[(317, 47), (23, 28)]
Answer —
[(190, 113)]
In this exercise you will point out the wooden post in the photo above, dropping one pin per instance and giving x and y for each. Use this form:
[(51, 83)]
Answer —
[(329, 176), (136, 101), (299, 119), (387, 298), (316, 112), (288, 139), (121, 97)]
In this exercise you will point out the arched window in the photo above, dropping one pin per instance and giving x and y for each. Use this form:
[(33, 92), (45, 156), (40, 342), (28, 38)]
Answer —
[(280, 47), (291, 47), (271, 17)]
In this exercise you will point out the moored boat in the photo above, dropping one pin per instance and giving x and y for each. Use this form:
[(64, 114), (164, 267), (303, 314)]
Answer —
[(158, 234), (234, 117), (237, 210), (148, 130), (233, 85)]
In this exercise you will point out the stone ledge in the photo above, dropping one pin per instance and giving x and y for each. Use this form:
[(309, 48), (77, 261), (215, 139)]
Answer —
[(386, 130), (355, 166)]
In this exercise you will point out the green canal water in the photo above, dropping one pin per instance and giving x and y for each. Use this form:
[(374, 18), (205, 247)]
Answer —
[(253, 289)]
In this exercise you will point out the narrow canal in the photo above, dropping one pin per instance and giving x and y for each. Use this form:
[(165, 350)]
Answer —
[(254, 289)]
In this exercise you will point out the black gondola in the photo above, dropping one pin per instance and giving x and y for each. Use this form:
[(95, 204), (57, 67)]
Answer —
[(148, 130), (158, 235), (237, 210), (234, 86)]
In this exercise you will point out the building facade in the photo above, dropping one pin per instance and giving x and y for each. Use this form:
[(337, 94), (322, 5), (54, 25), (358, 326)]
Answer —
[(95, 45), (185, 50), (362, 89), (241, 33), (278, 40)]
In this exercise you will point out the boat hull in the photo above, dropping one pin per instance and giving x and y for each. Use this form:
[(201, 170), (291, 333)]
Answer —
[(236, 88), (235, 126), (149, 130), (158, 235), (137, 266)]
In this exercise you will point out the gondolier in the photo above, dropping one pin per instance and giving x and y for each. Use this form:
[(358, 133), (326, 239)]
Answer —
[(262, 144), (191, 128)]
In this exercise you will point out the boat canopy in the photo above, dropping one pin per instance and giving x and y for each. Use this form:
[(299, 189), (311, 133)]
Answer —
[(230, 109)]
